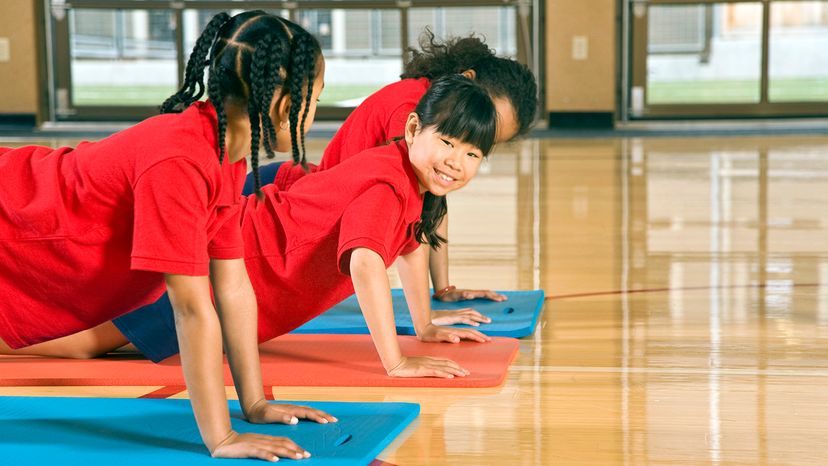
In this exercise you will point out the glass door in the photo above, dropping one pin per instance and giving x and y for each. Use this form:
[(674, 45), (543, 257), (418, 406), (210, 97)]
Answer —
[(738, 58), (119, 59)]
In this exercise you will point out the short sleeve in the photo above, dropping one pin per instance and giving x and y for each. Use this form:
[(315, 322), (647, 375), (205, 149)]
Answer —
[(410, 246), (372, 221), (171, 215), (227, 243), (395, 126)]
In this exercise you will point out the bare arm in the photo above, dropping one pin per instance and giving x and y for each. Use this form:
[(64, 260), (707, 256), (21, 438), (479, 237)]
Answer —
[(438, 259), (237, 310), (199, 341), (413, 271), (236, 306), (374, 295), (438, 265)]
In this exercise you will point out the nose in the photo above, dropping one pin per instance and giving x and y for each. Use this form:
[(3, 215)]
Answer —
[(452, 160)]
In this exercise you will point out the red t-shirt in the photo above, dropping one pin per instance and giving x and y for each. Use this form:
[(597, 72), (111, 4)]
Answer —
[(298, 242), (380, 118), (86, 234)]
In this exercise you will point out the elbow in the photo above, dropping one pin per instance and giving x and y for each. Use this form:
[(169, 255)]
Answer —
[(363, 260)]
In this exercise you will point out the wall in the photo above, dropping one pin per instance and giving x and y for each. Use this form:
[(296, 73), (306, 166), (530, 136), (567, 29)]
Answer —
[(571, 85), (581, 85), (19, 82)]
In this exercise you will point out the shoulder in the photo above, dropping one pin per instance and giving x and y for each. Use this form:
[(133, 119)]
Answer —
[(387, 163), (189, 135), (403, 92)]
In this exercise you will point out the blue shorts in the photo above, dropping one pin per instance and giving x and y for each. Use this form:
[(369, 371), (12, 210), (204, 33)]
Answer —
[(152, 328)]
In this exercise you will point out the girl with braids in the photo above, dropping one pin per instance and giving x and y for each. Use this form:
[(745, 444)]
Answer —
[(382, 116), (334, 232), (90, 233)]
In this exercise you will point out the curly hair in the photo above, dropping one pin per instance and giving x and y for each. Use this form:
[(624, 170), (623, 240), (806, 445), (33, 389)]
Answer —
[(501, 77)]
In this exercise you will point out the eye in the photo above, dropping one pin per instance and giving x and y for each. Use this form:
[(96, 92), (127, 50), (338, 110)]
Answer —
[(472, 154), (447, 142)]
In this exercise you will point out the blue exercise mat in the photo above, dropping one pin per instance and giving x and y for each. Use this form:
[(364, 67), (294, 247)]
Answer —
[(516, 317), (141, 432)]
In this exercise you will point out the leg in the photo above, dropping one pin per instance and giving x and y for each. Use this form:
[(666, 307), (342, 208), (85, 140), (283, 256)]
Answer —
[(86, 344)]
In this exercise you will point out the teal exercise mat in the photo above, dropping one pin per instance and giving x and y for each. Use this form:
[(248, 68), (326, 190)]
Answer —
[(516, 317), (141, 432)]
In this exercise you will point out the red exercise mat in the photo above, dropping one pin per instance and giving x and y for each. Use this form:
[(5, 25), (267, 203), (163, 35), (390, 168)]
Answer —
[(290, 360)]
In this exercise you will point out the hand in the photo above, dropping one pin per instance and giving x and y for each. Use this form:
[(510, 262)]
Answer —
[(427, 367), (263, 412), (455, 295), (466, 316), (434, 333), (264, 447)]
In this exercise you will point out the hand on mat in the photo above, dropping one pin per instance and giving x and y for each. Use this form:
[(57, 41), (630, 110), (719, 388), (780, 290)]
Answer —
[(264, 447), (435, 333), (426, 366), (263, 412), (466, 316), (464, 295)]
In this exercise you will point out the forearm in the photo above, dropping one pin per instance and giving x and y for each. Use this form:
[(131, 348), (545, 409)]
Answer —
[(199, 341), (438, 260), (236, 306), (413, 271), (374, 295)]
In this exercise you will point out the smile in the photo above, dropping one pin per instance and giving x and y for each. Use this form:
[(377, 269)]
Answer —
[(443, 177)]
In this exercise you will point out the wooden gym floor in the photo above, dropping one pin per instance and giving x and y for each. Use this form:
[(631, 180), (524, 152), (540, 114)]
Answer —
[(685, 323)]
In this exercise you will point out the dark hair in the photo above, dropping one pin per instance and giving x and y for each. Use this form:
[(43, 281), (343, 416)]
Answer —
[(501, 77), (250, 55), (460, 108)]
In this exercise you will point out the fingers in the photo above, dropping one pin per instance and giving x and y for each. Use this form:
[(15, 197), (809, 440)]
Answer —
[(472, 317), (429, 367), (484, 294), (290, 414), (304, 412), (468, 334), (467, 316), (263, 447), (446, 368)]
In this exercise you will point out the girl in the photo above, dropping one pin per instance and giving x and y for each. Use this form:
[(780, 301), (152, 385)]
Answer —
[(334, 232), (382, 116), (157, 206)]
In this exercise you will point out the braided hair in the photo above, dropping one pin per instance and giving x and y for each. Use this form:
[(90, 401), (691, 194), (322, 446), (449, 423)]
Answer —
[(460, 108), (250, 56), (501, 77)]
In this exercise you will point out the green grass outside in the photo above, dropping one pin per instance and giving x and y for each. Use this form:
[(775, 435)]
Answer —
[(675, 92), (100, 95), (744, 91)]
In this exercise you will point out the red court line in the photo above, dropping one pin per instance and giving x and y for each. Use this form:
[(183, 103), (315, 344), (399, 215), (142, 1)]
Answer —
[(165, 392), (682, 288), (268, 392)]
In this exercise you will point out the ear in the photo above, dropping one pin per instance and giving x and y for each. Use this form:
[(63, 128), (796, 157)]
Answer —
[(412, 126), (470, 73), (282, 108)]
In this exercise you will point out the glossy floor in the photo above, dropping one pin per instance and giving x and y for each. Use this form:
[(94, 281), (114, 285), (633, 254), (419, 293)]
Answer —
[(687, 320)]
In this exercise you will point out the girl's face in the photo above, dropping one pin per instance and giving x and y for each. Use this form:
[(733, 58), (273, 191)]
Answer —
[(442, 163), (281, 110), (507, 124)]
